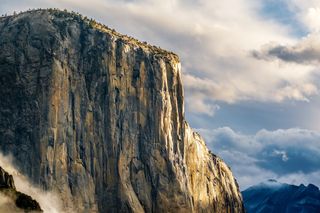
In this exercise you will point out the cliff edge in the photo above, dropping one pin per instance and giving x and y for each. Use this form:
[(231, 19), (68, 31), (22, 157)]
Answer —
[(99, 118)]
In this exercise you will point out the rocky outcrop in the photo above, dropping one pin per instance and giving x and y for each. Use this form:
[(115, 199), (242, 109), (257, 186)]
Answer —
[(12, 200), (6, 180), (99, 117)]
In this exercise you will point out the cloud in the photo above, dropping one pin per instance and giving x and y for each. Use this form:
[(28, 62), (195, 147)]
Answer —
[(290, 155), (312, 19), (200, 106), (283, 155), (306, 51), (213, 41), (303, 51), (308, 13)]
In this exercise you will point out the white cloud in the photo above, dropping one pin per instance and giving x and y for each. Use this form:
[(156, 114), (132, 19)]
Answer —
[(283, 154), (196, 104), (312, 19), (301, 178), (290, 155), (308, 12)]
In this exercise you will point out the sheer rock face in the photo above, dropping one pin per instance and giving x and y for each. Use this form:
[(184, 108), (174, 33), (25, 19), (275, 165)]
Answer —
[(99, 118)]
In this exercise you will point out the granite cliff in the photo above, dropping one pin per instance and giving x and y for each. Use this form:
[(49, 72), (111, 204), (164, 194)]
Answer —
[(99, 118)]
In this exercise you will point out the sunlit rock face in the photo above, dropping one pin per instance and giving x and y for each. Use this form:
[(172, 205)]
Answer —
[(99, 118)]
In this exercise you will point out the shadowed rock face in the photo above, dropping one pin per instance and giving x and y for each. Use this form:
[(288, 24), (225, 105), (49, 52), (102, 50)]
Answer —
[(12, 200), (99, 117), (6, 180)]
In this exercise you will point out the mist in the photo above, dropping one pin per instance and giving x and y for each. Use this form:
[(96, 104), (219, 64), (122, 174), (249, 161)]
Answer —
[(49, 201)]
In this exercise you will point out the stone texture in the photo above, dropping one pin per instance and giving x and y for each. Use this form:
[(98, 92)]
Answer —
[(99, 117)]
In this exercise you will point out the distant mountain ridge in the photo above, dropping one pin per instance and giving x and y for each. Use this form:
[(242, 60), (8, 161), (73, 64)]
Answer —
[(275, 197)]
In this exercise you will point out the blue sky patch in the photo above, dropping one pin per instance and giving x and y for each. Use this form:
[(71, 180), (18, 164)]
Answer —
[(279, 11)]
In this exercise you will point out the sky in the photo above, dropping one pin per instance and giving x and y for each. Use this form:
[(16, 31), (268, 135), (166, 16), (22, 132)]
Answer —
[(250, 74)]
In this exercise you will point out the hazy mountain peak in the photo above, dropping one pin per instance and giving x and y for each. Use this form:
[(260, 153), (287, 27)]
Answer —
[(275, 197)]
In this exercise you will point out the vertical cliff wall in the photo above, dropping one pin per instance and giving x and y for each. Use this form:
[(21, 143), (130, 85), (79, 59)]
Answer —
[(99, 117)]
